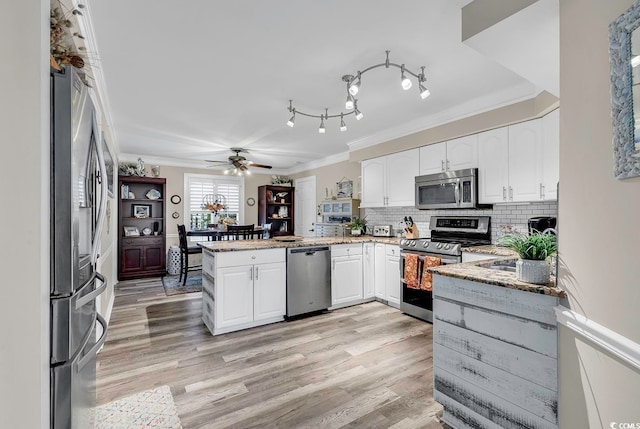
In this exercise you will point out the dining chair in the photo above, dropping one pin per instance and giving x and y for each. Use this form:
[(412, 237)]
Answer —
[(245, 231), (186, 249)]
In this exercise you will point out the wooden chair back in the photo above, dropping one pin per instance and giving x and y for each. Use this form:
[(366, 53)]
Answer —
[(244, 232)]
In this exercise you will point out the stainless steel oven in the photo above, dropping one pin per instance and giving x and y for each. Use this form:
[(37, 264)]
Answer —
[(448, 235), (448, 190)]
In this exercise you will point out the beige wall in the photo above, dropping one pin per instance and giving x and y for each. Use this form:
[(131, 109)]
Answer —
[(327, 177), (24, 181), (598, 223), (496, 118)]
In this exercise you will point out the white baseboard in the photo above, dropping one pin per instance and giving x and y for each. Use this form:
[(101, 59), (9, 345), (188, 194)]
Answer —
[(614, 343)]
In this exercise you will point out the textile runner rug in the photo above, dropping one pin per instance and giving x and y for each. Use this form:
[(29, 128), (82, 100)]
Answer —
[(151, 408), (172, 285)]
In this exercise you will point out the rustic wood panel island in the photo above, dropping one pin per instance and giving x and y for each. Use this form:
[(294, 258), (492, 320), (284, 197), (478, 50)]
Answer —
[(495, 348)]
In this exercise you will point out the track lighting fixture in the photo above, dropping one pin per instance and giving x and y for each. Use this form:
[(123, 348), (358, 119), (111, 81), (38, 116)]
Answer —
[(353, 88)]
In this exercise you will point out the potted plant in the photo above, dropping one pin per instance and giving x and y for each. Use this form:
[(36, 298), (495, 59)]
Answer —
[(358, 226), (534, 249)]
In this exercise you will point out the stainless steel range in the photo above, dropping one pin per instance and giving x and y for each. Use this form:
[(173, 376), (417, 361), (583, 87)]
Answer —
[(448, 235)]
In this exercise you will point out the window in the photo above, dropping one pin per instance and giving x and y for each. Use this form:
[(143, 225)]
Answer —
[(197, 186)]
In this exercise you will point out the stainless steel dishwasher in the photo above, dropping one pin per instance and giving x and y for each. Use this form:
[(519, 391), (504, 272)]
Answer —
[(308, 279)]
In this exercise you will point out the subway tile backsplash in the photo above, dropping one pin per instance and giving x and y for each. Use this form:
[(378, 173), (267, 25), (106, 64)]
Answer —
[(515, 215)]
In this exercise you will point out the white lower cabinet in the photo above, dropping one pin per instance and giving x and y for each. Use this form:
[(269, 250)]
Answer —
[(346, 274), (392, 274), (368, 270), (379, 280), (244, 289)]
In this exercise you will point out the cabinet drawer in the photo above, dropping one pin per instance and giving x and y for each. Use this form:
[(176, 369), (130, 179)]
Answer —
[(250, 257), (208, 263), (346, 250), (392, 250), (142, 241)]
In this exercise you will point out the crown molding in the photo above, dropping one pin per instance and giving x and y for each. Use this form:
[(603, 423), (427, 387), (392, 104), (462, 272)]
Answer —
[(614, 343), (318, 163), (85, 25), (522, 92)]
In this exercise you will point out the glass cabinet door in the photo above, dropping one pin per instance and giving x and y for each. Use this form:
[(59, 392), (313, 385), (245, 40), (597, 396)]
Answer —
[(336, 208), (326, 208), (346, 208)]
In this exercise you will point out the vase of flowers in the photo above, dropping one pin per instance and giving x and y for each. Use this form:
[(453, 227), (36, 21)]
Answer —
[(534, 249)]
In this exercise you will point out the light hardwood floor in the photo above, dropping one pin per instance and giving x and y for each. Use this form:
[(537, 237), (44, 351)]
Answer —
[(365, 366)]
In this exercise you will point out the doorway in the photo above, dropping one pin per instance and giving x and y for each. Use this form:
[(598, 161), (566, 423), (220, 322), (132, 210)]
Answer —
[(305, 209)]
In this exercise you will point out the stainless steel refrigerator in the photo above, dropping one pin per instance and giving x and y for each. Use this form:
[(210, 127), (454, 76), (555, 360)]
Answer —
[(78, 203)]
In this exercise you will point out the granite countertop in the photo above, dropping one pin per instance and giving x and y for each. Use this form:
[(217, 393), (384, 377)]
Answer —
[(490, 249), (478, 271), (238, 245)]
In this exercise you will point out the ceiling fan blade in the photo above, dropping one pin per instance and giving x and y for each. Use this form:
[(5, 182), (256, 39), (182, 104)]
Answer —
[(221, 162), (253, 164)]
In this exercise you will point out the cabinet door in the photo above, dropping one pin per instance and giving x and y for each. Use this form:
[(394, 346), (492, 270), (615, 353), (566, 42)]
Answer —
[(269, 291), (433, 158), (153, 258), (462, 153), (131, 259), (392, 279), (493, 165), (373, 183), (234, 296), (379, 270), (368, 275), (525, 149), (346, 279), (550, 155), (401, 172)]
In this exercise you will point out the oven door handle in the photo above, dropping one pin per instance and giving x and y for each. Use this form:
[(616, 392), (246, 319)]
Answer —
[(457, 191), (421, 257)]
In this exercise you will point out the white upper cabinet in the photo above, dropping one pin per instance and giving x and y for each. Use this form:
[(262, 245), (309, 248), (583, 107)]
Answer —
[(455, 154), (388, 181), (550, 155), (433, 158), (493, 166), (525, 155)]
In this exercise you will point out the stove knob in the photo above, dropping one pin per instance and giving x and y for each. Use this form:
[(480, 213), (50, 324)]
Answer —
[(403, 242), (426, 244), (413, 243), (447, 246), (439, 245)]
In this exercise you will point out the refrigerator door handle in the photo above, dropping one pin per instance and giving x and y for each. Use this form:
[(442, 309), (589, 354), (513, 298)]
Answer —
[(92, 295), (102, 208), (84, 359)]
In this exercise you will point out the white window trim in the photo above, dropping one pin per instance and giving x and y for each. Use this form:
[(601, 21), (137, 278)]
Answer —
[(187, 197)]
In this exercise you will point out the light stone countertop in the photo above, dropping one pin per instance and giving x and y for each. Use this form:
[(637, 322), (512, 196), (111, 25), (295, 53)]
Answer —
[(239, 245), (491, 249)]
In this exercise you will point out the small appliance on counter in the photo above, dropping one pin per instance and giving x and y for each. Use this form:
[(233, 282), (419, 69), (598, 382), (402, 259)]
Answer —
[(382, 231), (541, 224)]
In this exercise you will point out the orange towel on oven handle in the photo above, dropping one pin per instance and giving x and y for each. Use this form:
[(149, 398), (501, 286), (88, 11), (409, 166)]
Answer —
[(411, 270), (426, 282)]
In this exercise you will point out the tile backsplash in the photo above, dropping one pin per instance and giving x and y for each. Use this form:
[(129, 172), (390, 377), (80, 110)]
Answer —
[(515, 215)]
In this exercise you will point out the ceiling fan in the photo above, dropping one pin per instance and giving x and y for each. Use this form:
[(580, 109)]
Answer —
[(238, 163)]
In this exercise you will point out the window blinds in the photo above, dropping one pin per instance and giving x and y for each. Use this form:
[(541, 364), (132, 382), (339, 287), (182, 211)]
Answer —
[(199, 186)]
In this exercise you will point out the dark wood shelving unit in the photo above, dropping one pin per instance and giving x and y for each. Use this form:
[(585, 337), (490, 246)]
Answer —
[(144, 255), (269, 203)]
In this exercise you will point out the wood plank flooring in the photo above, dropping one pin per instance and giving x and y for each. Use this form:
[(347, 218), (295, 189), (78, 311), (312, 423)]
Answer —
[(367, 366)]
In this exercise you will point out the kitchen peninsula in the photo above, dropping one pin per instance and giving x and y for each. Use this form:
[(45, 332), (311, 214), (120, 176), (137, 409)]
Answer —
[(495, 346)]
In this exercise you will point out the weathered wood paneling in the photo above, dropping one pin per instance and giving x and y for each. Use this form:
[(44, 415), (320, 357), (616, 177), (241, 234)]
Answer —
[(538, 400), (486, 404), (536, 336), (519, 303), (459, 416), (531, 366)]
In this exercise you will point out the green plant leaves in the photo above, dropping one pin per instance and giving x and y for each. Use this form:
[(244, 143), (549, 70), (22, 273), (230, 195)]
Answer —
[(536, 247)]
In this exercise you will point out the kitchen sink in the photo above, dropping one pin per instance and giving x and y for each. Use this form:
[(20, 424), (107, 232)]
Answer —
[(508, 265)]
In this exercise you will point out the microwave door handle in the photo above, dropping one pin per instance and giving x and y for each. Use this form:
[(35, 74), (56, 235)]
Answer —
[(457, 191)]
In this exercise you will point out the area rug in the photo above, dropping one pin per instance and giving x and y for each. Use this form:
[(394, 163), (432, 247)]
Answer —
[(172, 285), (151, 408)]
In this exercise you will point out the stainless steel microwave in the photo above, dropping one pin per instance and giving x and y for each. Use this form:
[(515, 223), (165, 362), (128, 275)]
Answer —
[(448, 190)]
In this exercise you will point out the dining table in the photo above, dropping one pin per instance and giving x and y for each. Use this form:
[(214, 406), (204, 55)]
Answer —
[(218, 234)]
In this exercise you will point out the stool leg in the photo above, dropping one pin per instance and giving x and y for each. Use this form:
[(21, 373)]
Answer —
[(186, 268), (181, 266)]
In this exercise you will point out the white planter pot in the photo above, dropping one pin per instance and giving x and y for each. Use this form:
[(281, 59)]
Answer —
[(536, 272), (356, 232)]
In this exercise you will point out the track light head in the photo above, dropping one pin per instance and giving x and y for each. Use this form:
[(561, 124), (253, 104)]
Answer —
[(322, 129), (424, 92), (349, 103), (355, 86), (292, 121), (343, 126)]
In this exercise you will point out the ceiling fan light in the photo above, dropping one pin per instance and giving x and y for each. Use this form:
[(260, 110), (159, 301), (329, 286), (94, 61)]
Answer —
[(291, 122), (248, 172), (226, 171), (349, 103), (424, 92)]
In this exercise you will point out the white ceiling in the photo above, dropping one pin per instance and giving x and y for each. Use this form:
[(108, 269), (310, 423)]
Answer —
[(188, 80)]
